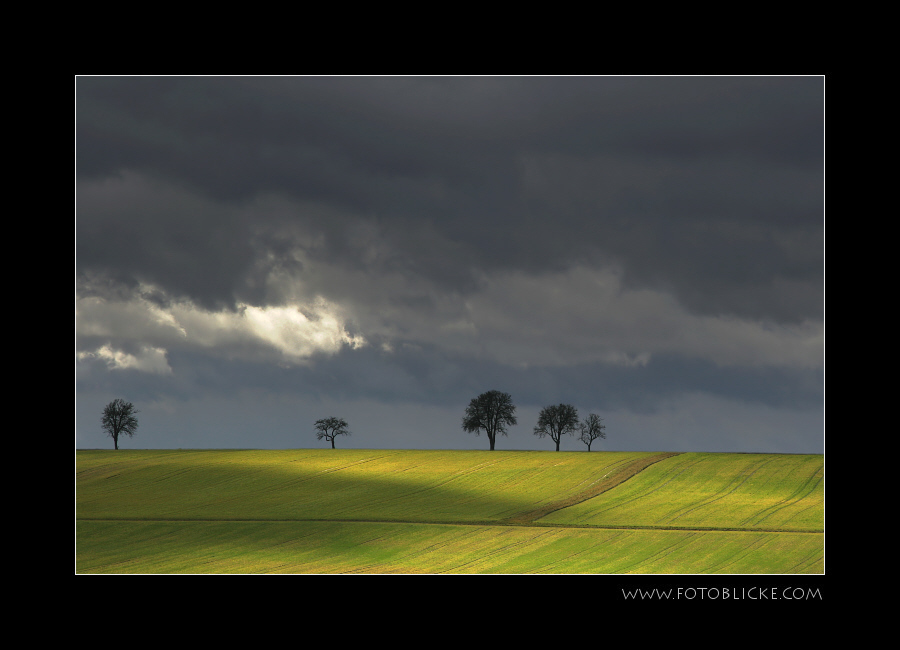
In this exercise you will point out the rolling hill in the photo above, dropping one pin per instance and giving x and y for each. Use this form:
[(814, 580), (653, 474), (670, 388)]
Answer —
[(410, 511)]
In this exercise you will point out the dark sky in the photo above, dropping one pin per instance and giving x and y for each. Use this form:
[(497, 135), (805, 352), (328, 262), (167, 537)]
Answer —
[(255, 253)]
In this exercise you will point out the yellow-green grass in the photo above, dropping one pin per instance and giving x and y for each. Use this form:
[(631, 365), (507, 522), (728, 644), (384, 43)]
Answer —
[(404, 511), (372, 485), (342, 547), (700, 490)]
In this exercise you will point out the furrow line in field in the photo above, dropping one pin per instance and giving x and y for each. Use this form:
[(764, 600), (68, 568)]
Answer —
[(291, 482), (806, 563), (169, 474), (498, 551), (750, 547), (497, 523), (413, 491), (338, 468), (726, 491), (614, 467), (564, 561), (405, 559), (625, 472), (800, 513), (670, 477), (802, 491), (663, 552)]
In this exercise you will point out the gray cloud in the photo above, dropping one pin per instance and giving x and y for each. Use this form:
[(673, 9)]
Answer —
[(689, 183), (389, 239)]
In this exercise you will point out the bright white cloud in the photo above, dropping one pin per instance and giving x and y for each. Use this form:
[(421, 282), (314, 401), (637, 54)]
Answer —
[(294, 332), (583, 315), (148, 359)]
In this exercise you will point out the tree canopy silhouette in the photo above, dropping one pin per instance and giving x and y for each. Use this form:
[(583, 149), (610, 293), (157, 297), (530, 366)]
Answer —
[(591, 429), (491, 412), (331, 428), (119, 420), (555, 421)]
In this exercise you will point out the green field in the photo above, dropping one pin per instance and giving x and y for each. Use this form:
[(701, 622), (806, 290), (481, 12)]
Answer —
[(406, 511)]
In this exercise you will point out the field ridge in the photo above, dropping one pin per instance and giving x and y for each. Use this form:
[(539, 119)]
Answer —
[(444, 522), (610, 480)]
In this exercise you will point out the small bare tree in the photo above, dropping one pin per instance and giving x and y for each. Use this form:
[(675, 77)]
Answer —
[(555, 421), (591, 429), (119, 420), (331, 428)]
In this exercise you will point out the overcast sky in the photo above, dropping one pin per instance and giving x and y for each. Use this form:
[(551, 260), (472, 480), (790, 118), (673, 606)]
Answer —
[(256, 253)]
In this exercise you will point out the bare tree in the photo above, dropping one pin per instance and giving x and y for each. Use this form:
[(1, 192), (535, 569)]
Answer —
[(591, 429), (490, 412), (119, 420), (331, 428), (555, 421)]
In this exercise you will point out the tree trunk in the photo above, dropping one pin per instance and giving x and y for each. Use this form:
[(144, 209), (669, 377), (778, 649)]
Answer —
[(557, 443), (116, 442), (332, 443), (492, 442)]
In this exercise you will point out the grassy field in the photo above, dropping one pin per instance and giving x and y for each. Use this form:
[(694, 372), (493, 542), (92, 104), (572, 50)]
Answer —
[(406, 511), (742, 491)]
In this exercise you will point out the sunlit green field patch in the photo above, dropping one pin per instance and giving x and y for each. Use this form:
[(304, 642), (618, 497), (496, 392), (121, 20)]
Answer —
[(331, 484), (746, 491), (339, 547), (404, 511)]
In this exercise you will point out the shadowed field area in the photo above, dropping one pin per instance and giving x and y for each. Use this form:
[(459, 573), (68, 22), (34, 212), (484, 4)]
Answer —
[(400, 511)]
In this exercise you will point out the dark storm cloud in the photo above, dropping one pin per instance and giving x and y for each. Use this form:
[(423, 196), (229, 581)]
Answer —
[(245, 135), (708, 187), (135, 230)]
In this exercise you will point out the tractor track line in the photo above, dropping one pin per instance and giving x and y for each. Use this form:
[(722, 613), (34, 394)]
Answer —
[(481, 524)]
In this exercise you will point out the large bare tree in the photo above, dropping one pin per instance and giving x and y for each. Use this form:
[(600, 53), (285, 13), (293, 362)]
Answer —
[(490, 412), (119, 420), (556, 421)]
